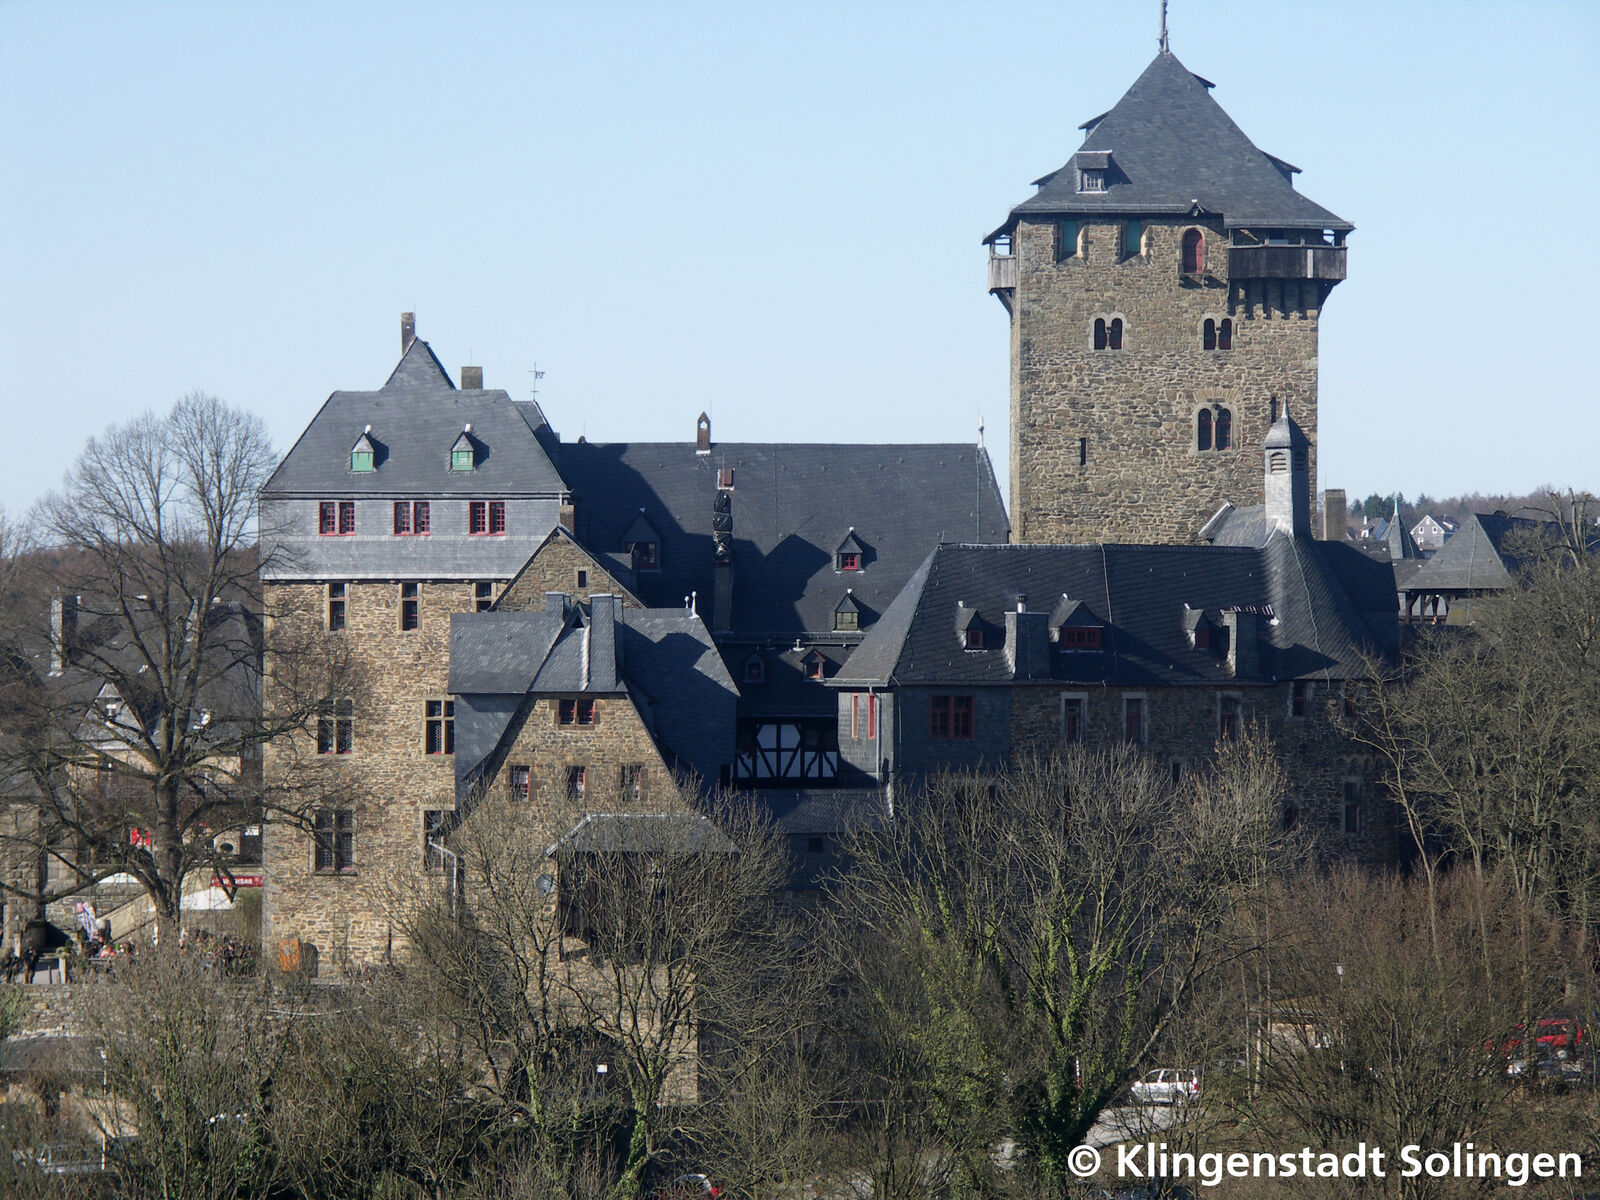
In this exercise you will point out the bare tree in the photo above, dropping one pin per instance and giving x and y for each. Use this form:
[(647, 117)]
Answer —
[(1032, 937), (137, 723), (631, 991), (1373, 1038)]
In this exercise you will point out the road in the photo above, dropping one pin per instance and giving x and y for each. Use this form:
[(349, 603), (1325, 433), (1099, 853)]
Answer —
[(1136, 1123)]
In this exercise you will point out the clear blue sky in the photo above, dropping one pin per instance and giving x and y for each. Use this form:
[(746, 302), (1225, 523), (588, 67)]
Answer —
[(769, 211)]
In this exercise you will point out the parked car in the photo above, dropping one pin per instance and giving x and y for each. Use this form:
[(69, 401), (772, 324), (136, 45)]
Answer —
[(1167, 1085), (688, 1187)]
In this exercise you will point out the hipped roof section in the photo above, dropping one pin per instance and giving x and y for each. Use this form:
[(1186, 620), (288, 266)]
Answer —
[(1171, 150)]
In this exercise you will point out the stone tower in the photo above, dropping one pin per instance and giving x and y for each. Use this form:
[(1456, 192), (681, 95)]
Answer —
[(1164, 287)]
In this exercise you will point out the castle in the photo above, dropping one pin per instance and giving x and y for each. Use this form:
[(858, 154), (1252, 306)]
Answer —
[(576, 626)]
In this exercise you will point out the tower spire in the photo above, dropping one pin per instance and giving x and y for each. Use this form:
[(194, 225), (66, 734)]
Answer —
[(1164, 48)]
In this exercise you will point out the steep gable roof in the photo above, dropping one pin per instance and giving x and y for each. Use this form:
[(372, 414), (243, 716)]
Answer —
[(418, 415), (1169, 148)]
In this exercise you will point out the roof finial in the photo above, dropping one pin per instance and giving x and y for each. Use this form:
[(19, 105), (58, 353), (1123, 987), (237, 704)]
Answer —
[(1164, 48)]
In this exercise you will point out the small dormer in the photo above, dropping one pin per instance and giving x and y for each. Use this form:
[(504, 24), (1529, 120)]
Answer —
[(1204, 631), (851, 554), (1093, 169), (815, 665), (464, 454), (1074, 626), (970, 631), (643, 544), (754, 669), (847, 613), (364, 455)]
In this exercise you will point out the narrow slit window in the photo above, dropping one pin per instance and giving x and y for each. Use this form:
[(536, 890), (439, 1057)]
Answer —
[(1224, 429), (1225, 334), (1114, 333), (1099, 333), (1208, 334), (410, 607), (1202, 429)]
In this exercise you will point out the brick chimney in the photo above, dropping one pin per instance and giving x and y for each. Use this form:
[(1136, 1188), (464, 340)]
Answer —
[(1335, 516), (63, 629), (408, 330), (472, 379)]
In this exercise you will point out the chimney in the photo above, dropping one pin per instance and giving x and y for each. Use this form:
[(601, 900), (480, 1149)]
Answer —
[(63, 628), (603, 643), (472, 379), (556, 602), (408, 330), (1335, 517), (702, 435), (1028, 642), (1244, 660), (568, 516), (722, 551)]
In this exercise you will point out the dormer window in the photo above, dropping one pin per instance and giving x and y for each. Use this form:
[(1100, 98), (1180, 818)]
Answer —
[(643, 544), (755, 669), (463, 455), (1092, 179), (1081, 637), (847, 616), (850, 553), (969, 628), (816, 666), (363, 454)]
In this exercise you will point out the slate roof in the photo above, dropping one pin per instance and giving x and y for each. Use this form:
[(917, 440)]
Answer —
[(823, 810), (638, 833), (793, 505), (1167, 147), (663, 660), (416, 417), (1483, 554), (1323, 607)]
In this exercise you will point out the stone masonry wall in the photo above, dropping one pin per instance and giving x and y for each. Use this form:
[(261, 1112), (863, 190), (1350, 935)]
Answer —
[(392, 781), (1144, 480), (554, 568), (1182, 725)]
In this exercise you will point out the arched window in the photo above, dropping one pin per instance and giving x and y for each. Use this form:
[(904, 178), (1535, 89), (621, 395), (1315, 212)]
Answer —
[(1116, 333), (1099, 333), (1208, 336), (1202, 432), (1224, 437), (1225, 334), (1194, 252)]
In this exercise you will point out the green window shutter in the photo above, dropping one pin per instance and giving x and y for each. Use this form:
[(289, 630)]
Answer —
[(1066, 240), (361, 461), (1132, 234)]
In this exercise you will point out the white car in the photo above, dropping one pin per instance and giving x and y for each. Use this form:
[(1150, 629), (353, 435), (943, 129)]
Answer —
[(1168, 1085)]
